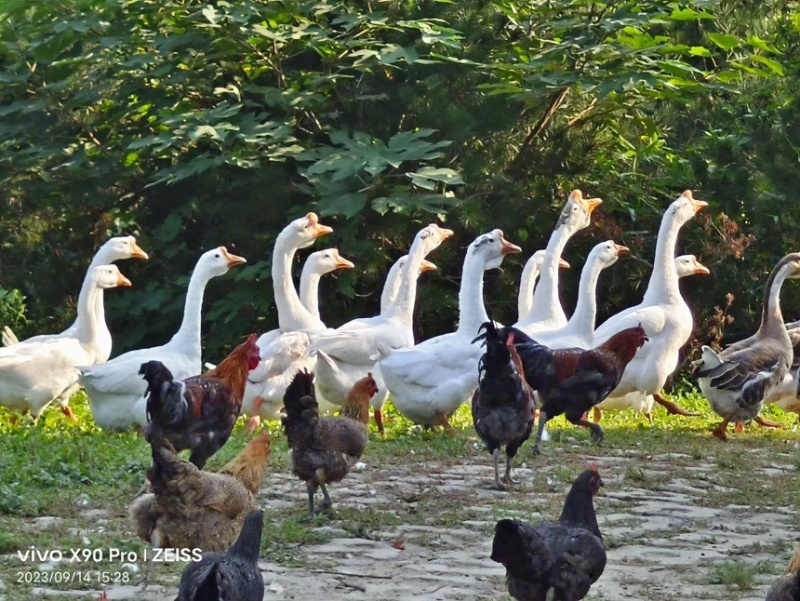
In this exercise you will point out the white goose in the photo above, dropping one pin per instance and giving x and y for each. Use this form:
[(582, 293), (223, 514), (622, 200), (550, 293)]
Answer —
[(737, 380), (528, 280), (318, 264), (663, 313), (579, 331), (430, 380), (546, 312), (115, 249), (115, 388), (787, 395), (685, 265), (34, 374), (348, 353), (334, 379), (285, 349)]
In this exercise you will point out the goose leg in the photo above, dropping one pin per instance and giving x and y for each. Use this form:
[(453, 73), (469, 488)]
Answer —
[(739, 427), (445, 423), (255, 419), (598, 415), (67, 410), (649, 416), (672, 408), (378, 415), (766, 423), (719, 431)]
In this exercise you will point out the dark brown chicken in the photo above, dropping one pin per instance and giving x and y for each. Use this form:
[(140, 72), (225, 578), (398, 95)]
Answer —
[(323, 449), (572, 381), (502, 405), (787, 588), (554, 562), (198, 413), (232, 575)]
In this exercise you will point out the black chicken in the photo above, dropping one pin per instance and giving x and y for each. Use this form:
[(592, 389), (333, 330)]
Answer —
[(502, 405), (572, 381), (233, 575), (554, 562)]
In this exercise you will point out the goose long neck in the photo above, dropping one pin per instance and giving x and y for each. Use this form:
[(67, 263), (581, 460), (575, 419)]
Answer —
[(390, 288), (546, 304), (526, 285), (87, 321), (403, 306), (663, 284), (471, 307), (309, 291), (292, 315), (586, 308), (771, 316), (103, 256), (188, 334)]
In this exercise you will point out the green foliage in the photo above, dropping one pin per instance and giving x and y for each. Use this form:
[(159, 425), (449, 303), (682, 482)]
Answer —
[(198, 124)]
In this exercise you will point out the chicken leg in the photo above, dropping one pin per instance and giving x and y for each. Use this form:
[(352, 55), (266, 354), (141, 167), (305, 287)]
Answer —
[(507, 479), (672, 408), (496, 460), (378, 415), (327, 504), (312, 489), (597, 414), (766, 423), (597, 433), (542, 422), (255, 418)]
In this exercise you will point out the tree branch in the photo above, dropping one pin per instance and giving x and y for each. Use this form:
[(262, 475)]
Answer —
[(555, 103)]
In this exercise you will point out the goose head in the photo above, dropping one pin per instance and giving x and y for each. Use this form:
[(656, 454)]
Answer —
[(302, 232), (687, 265), (537, 260), (326, 261), (123, 247), (218, 261), (685, 207), (607, 252), (431, 237), (789, 266), (108, 276), (493, 248), (577, 212)]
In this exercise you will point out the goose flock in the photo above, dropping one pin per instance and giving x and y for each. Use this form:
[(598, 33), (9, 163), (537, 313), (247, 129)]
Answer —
[(428, 380)]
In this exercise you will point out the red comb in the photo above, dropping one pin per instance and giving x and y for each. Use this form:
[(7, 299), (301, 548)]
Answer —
[(593, 467)]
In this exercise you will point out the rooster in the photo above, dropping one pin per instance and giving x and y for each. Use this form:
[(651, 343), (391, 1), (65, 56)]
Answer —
[(198, 413), (502, 405), (554, 562), (324, 448), (233, 575), (194, 509), (572, 381)]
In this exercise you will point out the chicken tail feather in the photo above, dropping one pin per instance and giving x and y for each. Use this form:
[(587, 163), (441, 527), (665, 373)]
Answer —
[(249, 541)]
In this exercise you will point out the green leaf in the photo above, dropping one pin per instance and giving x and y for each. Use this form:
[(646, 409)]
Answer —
[(772, 65), (724, 40), (426, 177), (699, 51)]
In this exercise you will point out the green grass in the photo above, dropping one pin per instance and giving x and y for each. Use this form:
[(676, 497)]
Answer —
[(64, 469)]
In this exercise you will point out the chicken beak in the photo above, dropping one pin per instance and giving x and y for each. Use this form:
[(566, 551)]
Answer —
[(123, 281), (233, 260), (507, 248), (427, 266), (342, 263), (138, 253), (700, 269), (563, 264), (621, 249)]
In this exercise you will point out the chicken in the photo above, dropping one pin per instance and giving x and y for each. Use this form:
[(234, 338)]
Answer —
[(787, 588), (572, 381), (502, 405), (190, 508), (554, 562), (198, 413), (233, 575), (323, 449)]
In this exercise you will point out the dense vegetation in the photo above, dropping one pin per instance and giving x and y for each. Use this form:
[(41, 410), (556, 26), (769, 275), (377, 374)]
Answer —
[(194, 124)]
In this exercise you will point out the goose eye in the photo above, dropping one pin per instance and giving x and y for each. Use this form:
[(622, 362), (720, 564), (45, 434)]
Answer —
[(216, 255)]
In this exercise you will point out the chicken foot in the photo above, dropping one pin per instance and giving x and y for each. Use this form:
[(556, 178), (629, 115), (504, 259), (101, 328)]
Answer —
[(326, 504), (597, 435), (672, 408), (507, 479)]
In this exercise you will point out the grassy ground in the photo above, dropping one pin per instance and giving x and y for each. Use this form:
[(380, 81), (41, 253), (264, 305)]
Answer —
[(86, 477)]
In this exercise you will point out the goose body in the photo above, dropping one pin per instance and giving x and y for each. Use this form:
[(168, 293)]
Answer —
[(737, 380), (116, 389), (33, 374), (430, 380)]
